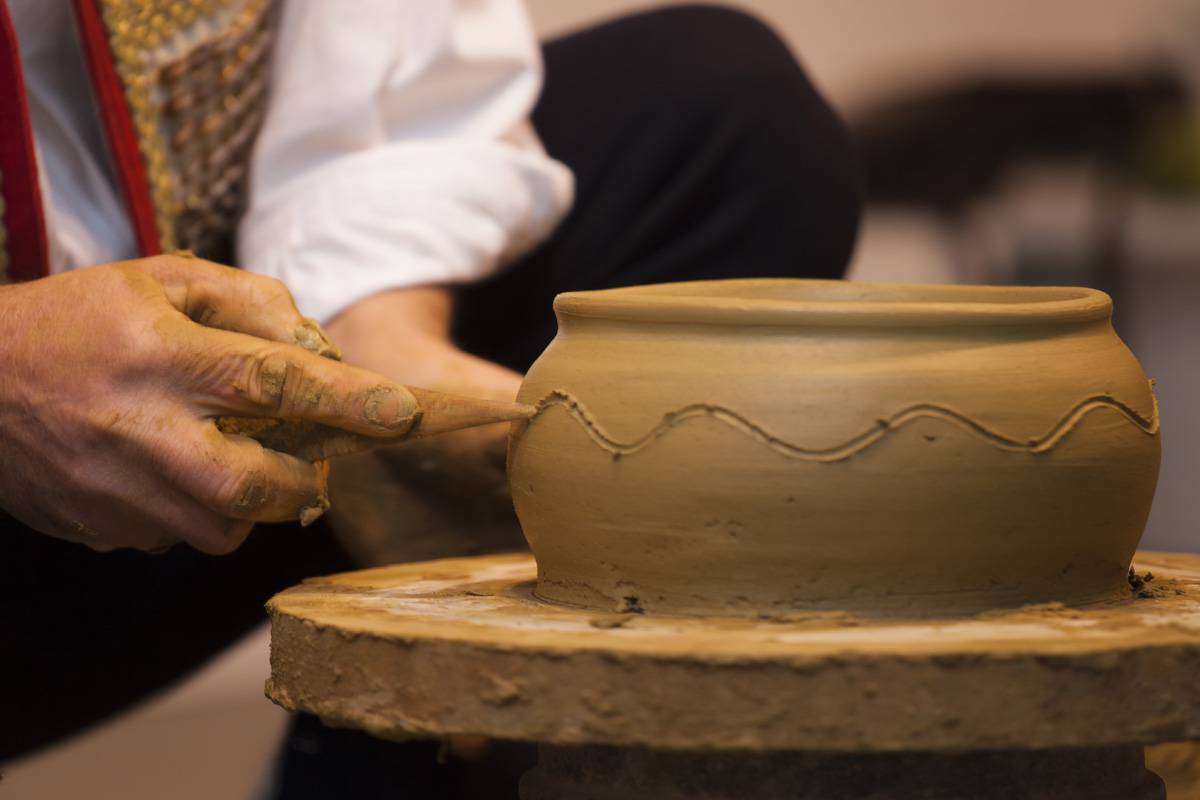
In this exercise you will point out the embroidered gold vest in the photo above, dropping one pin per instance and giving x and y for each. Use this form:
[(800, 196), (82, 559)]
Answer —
[(194, 79), (181, 86)]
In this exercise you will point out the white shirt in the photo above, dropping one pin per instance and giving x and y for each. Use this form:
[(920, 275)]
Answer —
[(396, 149), (85, 216)]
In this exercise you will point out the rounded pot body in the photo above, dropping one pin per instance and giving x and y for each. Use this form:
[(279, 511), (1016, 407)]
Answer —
[(768, 447)]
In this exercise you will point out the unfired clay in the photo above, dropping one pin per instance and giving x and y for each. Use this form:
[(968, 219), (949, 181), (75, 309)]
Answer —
[(461, 646), (766, 446)]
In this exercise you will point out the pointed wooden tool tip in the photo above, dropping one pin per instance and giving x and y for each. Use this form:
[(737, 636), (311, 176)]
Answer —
[(442, 412)]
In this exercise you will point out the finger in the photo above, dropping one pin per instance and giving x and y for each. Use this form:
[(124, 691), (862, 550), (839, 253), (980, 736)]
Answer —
[(151, 509), (305, 440), (211, 533), (150, 516), (234, 374), (187, 521), (239, 479), (439, 413), (218, 296)]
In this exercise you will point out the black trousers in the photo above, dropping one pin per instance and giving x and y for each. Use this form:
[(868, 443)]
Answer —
[(700, 150)]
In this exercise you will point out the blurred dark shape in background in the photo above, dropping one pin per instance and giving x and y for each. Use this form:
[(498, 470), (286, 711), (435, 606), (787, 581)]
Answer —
[(944, 150), (1092, 180)]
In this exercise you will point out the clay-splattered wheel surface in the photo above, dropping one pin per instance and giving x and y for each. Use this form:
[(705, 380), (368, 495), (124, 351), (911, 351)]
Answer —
[(463, 646)]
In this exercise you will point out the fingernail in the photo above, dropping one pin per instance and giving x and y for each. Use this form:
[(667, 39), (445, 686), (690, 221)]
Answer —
[(311, 336), (313, 511), (391, 407)]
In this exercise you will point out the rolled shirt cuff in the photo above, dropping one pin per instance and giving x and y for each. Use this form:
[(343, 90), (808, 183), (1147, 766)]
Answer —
[(403, 214)]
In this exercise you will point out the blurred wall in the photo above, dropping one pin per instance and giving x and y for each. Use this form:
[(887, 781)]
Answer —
[(861, 51)]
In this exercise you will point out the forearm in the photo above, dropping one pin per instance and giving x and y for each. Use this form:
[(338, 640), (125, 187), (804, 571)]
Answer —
[(420, 311), (437, 496), (405, 334)]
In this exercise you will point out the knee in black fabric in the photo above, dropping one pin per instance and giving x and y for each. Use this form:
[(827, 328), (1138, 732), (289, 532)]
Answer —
[(700, 151), (796, 149), (714, 56), (732, 87)]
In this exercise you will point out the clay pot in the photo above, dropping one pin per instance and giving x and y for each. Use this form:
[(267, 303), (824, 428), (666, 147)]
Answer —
[(765, 447)]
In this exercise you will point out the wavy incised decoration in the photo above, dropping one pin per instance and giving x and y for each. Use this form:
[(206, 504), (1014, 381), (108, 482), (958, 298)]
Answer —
[(856, 444)]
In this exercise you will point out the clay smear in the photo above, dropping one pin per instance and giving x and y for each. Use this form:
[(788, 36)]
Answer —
[(856, 444)]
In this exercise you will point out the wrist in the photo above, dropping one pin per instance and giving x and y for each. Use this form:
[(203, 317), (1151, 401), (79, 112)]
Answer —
[(419, 313), (15, 325)]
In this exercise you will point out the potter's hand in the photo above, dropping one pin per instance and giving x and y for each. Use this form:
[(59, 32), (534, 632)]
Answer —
[(111, 378), (405, 335), (446, 495)]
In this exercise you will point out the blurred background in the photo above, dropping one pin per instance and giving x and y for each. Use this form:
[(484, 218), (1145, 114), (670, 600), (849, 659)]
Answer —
[(1025, 141)]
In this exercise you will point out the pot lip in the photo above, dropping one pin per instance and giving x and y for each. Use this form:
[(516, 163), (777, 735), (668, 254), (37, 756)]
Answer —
[(837, 303)]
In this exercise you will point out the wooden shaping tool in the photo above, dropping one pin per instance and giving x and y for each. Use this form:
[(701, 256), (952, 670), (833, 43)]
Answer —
[(437, 412)]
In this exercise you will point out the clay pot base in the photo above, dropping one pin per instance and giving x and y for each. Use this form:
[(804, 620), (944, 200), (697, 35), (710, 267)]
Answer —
[(462, 646)]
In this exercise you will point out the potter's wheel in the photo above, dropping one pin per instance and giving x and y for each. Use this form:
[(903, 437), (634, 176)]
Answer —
[(1038, 702)]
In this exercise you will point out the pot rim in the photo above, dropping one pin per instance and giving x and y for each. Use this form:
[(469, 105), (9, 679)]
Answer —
[(766, 301)]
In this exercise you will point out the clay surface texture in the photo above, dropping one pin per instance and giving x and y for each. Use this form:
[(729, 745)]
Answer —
[(463, 646), (768, 447)]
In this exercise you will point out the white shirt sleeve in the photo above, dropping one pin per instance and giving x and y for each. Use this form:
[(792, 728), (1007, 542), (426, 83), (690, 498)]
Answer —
[(397, 149)]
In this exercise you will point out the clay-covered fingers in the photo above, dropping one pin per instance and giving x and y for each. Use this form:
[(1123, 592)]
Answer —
[(218, 296), (171, 517), (242, 482), (234, 374)]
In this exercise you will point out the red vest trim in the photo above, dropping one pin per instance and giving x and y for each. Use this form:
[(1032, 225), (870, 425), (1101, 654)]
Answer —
[(182, 91), (118, 124)]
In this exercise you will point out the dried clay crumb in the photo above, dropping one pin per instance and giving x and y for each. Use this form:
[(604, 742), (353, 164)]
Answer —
[(1138, 584), (629, 604)]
